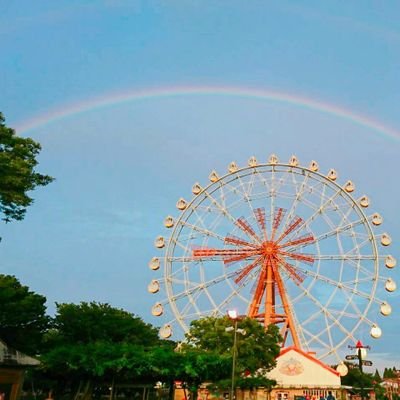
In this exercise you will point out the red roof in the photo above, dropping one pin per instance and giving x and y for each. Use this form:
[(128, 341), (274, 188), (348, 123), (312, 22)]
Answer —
[(310, 357)]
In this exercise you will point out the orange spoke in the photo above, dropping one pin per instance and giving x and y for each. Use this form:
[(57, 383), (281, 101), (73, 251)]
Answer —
[(231, 239), (232, 260), (296, 276), (280, 213), (307, 258), (308, 238), (245, 270), (260, 217), (246, 228), (294, 223), (205, 252)]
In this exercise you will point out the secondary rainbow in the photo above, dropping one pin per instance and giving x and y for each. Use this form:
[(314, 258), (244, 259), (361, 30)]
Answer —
[(112, 99)]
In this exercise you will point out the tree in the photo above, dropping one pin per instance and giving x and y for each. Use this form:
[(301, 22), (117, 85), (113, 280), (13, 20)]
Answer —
[(93, 343), (198, 366), (210, 340), (389, 373), (385, 372), (165, 363), (256, 350), (360, 381), (377, 377), (17, 172), (23, 319), (92, 322)]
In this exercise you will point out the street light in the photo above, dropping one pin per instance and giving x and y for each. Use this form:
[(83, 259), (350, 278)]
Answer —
[(233, 315)]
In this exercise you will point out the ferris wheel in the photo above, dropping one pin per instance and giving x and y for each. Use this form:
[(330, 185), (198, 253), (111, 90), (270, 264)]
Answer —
[(282, 244)]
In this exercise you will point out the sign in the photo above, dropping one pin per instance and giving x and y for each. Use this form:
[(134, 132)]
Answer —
[(366, 363), (351, 357)]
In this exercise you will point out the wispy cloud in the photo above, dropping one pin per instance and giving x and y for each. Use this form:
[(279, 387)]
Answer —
[(61, 14), (348, 23)]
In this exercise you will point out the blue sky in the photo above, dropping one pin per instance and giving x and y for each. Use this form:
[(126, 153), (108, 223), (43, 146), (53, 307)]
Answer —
[(120, 168)]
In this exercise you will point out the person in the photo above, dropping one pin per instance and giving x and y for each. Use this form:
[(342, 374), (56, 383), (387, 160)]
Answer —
[(50, 396), (330, 396)]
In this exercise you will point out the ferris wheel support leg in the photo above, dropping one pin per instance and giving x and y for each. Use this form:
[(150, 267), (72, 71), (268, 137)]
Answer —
[(269, 312), (284, 332), (289, 318), (256, 302)]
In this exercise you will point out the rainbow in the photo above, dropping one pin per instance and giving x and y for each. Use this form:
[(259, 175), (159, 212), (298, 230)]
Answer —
[(112, 98)]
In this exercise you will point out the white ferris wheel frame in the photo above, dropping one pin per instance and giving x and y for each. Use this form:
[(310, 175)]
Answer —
[(275, 171)]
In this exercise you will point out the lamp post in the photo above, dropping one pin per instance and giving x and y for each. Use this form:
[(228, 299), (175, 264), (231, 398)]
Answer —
[(233, 315)]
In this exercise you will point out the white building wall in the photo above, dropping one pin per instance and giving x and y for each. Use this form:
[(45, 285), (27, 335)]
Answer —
[(294, 369)]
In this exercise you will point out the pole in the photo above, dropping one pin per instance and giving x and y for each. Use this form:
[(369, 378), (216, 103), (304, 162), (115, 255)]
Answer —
[(360, 346), (232, 397), (361, 370)]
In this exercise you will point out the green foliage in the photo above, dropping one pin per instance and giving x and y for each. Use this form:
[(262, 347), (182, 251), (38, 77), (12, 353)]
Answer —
[(97, 359), (94, 338), (256, 350), (17, 173), (91, 322), (385, 373), (207, 354), (377, 377), (23, 319), (199, 366), (389, 373), (94, 342), (379, 391), (360, 381), (164, 362), (256, 381)]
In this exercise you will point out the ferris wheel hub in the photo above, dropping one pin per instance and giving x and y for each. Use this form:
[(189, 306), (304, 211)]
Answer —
[(269, 248)]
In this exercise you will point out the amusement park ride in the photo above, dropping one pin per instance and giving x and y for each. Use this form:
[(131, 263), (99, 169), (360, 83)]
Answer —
[(283, 243)]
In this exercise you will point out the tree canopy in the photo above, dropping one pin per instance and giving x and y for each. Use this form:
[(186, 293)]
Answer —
[(89, 345), (257, 348), (390, 373), (92, 342), (97, 322), (362, 382), (18, 159), (23, 317)]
